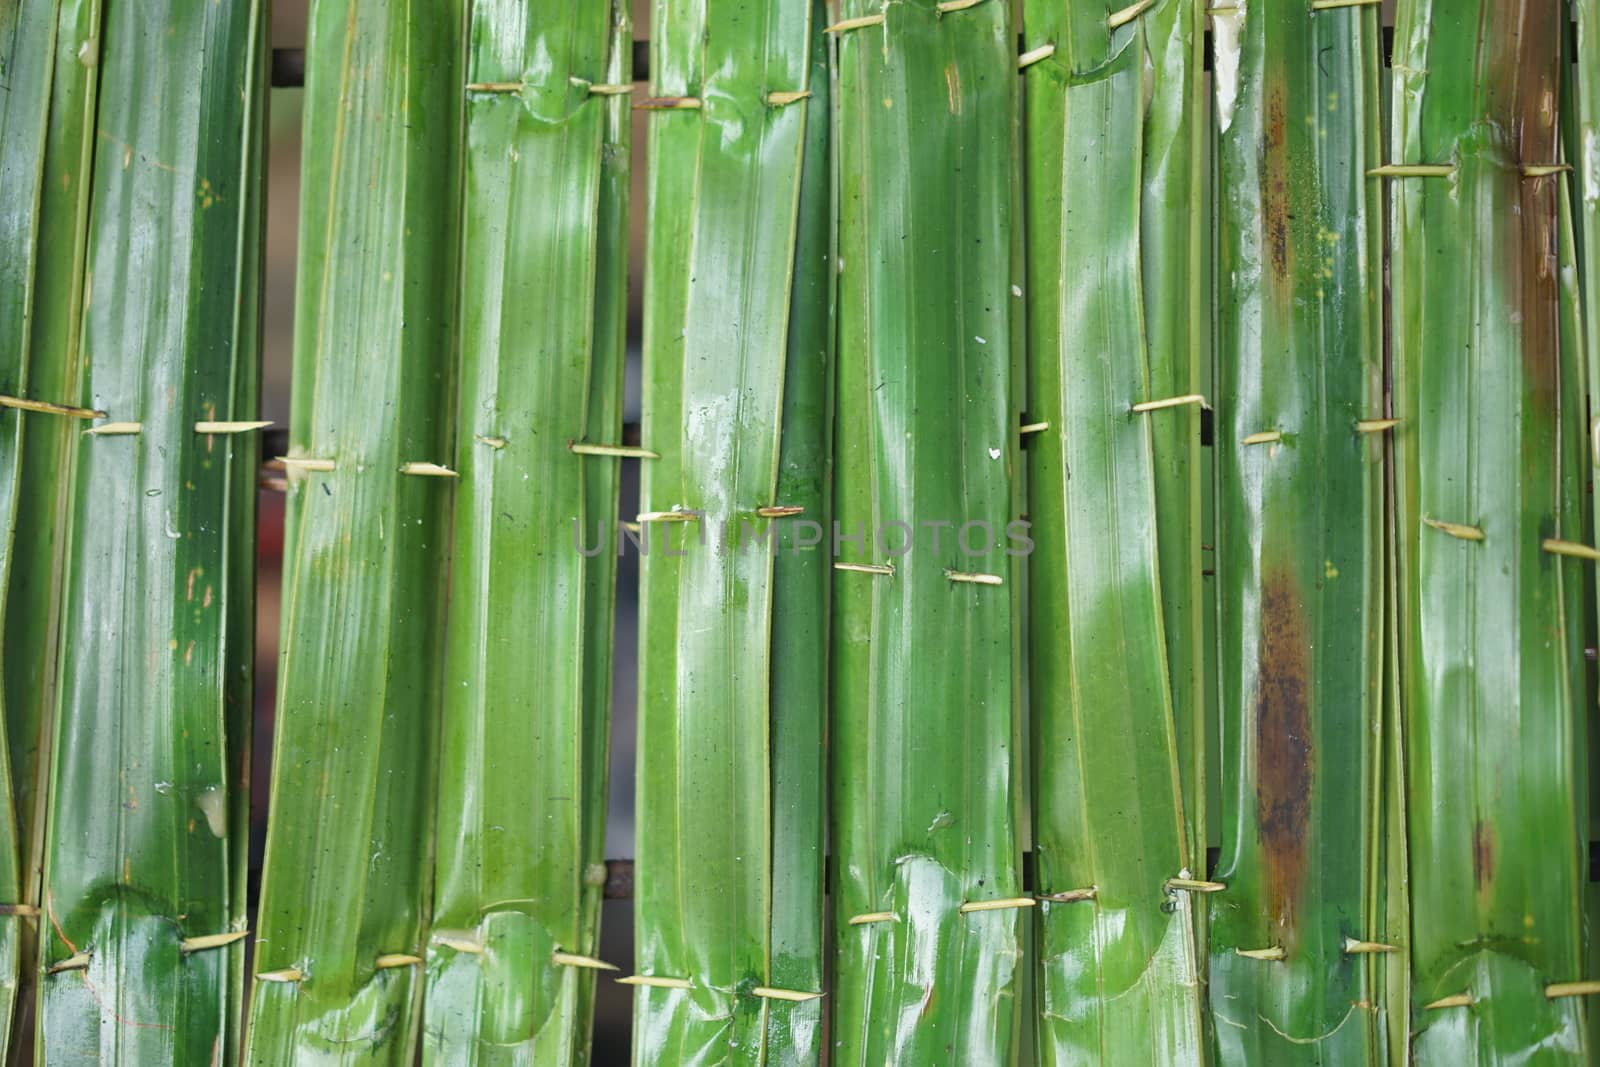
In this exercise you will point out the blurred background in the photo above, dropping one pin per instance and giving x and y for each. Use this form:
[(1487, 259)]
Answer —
[(613, 1008)]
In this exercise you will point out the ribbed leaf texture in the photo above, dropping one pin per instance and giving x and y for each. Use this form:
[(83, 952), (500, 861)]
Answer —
[(1490, 403), (527, 682), (1584, 154), (1580, 245), (33, 591), (1300, 451), (1581, 269), (922, 745), (602, 480), (801, 582), (27, 43), (144, 854), (1174, 247), (1118, 979), (349, 847), (729, 114), (987, 291)]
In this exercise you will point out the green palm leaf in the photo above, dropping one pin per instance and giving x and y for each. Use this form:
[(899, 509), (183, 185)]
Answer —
[(27, 45), (801, 581), (142, 868), (922, 739), (1584, 153), (1300, 448), (1174, 246), (602, 480), (1488, 399), (728, 133), (349, 851), (511, 962), (1580, 246), (1118, 977), (33, 596)]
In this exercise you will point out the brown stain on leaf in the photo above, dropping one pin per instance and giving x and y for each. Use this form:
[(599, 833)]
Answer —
[(1285, 759), (1524, 64), (1483, 855), (1277, 211)]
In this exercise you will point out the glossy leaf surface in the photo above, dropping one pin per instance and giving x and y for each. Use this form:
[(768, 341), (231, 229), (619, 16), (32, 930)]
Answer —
[(1489, 402), (33, 595), (529, 638), (1580, 253), (801, 581), (158, 594), (922, 747), (725, 178), (602, 480), (1118, 978), (1300, 533), (349, 850), (27, 45), (1174, 241), (1581, 325)]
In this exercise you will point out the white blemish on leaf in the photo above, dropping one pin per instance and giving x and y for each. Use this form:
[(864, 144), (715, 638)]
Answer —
[(1225, 27), (214, 805)]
